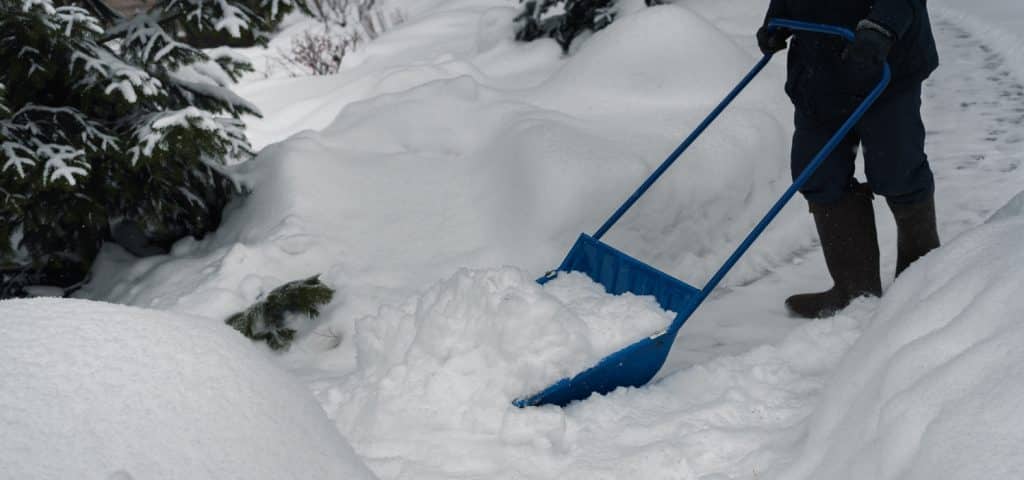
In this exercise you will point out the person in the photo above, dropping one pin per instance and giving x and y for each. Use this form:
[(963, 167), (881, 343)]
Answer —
[(827, 77)]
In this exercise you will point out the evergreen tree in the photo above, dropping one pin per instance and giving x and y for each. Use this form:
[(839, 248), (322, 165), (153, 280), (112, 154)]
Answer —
[(108, 122), (268, 14)]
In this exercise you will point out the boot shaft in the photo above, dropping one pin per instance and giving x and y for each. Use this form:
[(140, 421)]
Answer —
[(916, 231), (849, 240)]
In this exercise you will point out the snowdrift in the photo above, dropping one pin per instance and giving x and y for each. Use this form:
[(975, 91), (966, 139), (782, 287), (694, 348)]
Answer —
[(932, 389), (93, 390)]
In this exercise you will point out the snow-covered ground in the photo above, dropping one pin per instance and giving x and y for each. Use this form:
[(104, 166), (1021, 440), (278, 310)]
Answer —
[(443, 146)]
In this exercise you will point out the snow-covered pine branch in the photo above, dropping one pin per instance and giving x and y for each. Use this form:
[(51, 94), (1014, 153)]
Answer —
[(144, 41), (158, 135)]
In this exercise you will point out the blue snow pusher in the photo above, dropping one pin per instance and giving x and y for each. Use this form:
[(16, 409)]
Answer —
[(636, 364)]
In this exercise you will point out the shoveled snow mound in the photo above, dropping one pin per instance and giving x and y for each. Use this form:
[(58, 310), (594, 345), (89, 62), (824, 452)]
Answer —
[(933, 387), (458, 355), (452, 360), (94, 390)]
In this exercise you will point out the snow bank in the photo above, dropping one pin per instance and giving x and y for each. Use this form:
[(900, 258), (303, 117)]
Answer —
[(93, 390), (933, 387)]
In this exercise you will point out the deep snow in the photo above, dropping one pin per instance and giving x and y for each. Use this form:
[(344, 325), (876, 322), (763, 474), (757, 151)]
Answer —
[(462, 171), (95, 390), (443, 146), (932, 389)]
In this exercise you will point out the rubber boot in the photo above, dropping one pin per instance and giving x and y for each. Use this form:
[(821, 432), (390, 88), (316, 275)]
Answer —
[(916, 233), (849, 240)]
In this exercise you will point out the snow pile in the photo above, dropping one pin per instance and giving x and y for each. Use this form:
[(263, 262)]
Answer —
[(93, 390), (933, 387), (611, 321), (455, 357), (430, 395)]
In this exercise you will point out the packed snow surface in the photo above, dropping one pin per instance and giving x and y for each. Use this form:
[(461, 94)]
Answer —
[(94, 390)]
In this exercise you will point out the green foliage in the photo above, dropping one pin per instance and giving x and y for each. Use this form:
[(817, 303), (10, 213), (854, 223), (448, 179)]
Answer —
[(564, 20), (109, 120), (573, 18), (267, 319), (268, 14)]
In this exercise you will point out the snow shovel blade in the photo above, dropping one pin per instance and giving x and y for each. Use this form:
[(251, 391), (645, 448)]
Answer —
[(636, 364), (632, 366)]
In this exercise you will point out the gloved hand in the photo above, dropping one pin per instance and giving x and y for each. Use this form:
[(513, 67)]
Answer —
[(774, 40), (864, 57)]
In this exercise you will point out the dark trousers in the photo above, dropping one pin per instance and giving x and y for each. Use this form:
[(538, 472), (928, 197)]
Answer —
[(892, 136)]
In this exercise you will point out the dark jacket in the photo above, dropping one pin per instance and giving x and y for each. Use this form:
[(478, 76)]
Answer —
[(817, 81)]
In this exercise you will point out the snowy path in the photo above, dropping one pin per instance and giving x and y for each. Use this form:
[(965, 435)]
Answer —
[(733, 401), (974, 113)]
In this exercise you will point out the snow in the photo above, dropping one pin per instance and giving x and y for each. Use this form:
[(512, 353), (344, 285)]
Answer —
[(430, 394), (612, 322), (443, 150), (232, 19), (404, 188), (488, 337), (57, 158), (999, 22), (94, 390), (14, 159), (932, 388)]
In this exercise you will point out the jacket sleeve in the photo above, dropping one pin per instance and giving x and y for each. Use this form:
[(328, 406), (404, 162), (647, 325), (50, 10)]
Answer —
[(776, 9), (895, 15)]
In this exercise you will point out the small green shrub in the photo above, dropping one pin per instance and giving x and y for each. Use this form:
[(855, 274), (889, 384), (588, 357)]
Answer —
[(564, 20), (266, 320)]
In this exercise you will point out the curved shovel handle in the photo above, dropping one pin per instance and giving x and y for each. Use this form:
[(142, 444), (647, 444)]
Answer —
[(775, 23), (772, 23)]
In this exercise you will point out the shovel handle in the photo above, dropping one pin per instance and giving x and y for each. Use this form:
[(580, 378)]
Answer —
[(773, 23), (681, 148), (818, 159), (776, 23)]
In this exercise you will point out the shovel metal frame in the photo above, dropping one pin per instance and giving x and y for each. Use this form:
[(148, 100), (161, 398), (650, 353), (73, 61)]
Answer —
[(637, 364)]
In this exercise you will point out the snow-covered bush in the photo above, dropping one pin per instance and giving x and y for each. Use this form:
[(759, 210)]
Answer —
[(267, 319), (111, 120), (564, 20), (344, 25), (363, 19), (319, 53)]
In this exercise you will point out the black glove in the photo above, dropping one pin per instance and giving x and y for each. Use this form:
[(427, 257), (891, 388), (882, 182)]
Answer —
[(773, 40), (864, 57)]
